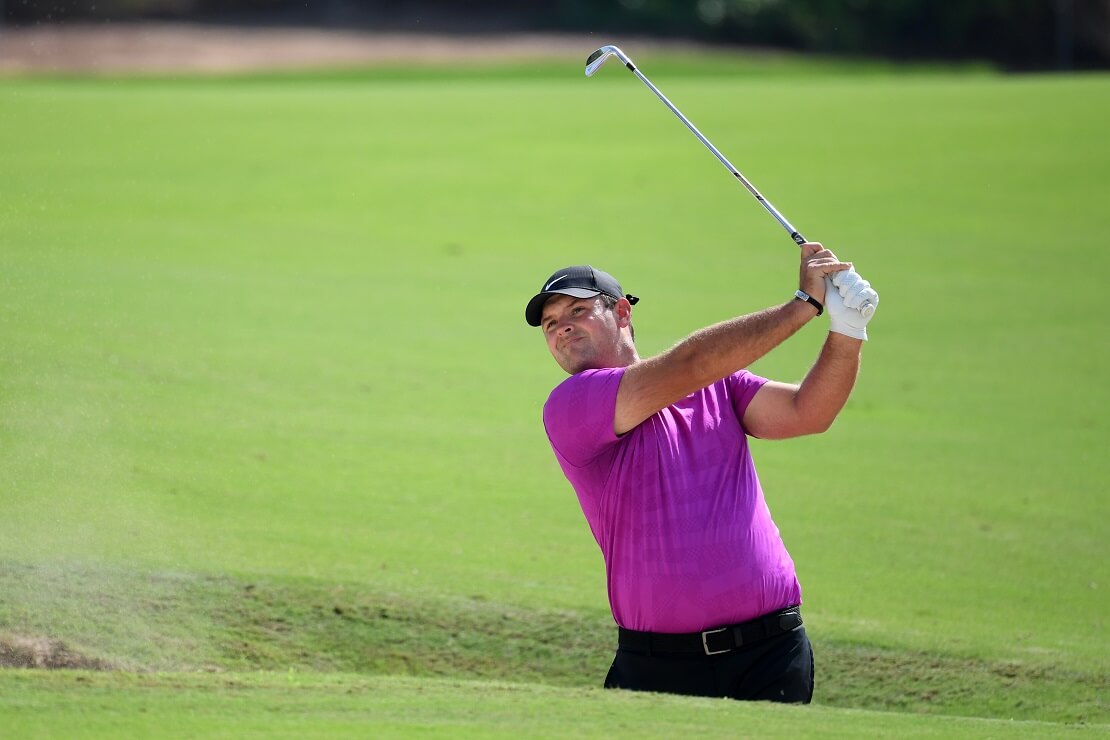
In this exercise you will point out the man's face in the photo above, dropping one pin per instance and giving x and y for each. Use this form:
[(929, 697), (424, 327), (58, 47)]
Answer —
[(581, 333)]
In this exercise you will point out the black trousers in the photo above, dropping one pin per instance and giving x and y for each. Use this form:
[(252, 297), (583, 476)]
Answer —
[(778, 669)]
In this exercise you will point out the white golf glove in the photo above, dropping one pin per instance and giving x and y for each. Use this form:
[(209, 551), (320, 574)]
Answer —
[(851, 302)]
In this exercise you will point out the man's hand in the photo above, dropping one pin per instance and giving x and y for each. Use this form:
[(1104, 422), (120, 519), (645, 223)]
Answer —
[(818, 264), (846, 293)]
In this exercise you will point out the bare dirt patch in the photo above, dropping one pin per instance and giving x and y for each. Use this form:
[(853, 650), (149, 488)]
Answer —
[(181, 47), (42, 652)]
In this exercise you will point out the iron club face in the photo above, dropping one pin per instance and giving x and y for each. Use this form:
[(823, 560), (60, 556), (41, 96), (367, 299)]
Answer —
[(599, 57)]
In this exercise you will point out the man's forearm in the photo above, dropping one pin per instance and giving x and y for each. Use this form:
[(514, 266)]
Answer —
[(721, 349), (829, 382), (703, 358)]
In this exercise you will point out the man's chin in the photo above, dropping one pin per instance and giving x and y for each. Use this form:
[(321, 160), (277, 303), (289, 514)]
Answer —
[(579, 366)]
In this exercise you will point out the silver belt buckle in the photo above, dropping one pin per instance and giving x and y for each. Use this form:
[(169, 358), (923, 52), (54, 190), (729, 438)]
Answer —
[(705, 645)]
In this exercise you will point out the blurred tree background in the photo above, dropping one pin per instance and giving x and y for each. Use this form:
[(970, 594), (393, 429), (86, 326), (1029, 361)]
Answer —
[(1015, 34)]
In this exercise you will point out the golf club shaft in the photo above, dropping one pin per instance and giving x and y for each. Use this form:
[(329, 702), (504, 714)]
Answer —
[(798, 238), (594, 62)]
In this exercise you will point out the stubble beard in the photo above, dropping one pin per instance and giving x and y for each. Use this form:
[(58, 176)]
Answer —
[(578, 359)]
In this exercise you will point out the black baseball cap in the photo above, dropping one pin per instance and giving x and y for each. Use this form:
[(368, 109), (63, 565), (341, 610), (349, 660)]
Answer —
[(579, 281)]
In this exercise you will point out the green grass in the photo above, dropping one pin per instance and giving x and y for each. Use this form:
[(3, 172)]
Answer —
[(268, 331), (126, 621), (292, 704)]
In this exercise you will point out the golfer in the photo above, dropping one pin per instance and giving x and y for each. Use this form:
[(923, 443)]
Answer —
[(702, 589)]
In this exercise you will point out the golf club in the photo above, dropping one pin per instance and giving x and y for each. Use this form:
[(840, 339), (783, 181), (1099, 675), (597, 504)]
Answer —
[(599, 57)]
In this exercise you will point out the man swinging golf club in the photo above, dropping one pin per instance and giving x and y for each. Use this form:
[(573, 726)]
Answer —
[(700, 584)]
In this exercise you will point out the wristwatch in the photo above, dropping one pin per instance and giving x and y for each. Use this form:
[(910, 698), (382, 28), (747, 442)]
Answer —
[(801, 295)]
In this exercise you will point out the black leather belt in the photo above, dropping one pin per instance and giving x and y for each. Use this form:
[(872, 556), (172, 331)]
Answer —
[(715, 641)]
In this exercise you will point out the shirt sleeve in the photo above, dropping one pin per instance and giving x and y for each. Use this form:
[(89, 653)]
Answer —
[(578, 415), (742, 387)]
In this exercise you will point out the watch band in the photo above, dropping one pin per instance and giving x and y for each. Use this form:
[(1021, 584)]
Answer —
[(804, 296)]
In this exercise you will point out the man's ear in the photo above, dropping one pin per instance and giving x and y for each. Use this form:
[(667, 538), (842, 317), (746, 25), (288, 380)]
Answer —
[(623, 310)]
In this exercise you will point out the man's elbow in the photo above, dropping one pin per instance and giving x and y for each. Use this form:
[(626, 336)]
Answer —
[(821, 427), (821, 424), (804, 427), (790, 430)]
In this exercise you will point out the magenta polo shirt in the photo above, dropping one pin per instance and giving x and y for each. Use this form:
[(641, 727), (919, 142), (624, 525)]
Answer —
[(674, 504)]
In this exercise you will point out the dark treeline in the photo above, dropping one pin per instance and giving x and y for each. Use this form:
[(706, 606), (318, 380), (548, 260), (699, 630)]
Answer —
[(1016, 34)]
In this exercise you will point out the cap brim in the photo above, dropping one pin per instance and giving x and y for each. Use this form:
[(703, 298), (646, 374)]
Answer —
[(534, 312)]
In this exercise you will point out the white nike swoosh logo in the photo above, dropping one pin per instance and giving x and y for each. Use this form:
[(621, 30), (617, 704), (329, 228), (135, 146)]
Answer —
[(561, 277)]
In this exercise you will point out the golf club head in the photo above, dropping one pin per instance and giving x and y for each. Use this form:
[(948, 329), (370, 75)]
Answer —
[(598, 58)]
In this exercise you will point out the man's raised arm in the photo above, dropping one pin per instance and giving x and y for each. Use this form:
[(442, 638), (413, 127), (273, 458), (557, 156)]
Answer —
[(782, 410), (717, 351)]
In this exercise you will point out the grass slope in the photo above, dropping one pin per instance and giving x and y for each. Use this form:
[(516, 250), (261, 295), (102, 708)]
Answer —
[(295, 705), (268, 331), (121, 620)]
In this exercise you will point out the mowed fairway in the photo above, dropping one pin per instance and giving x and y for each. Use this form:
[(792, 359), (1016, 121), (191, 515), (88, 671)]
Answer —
[(268, 401)]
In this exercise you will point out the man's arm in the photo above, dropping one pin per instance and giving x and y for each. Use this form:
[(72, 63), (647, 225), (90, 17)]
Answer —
[(717, 351), (783, 410)]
